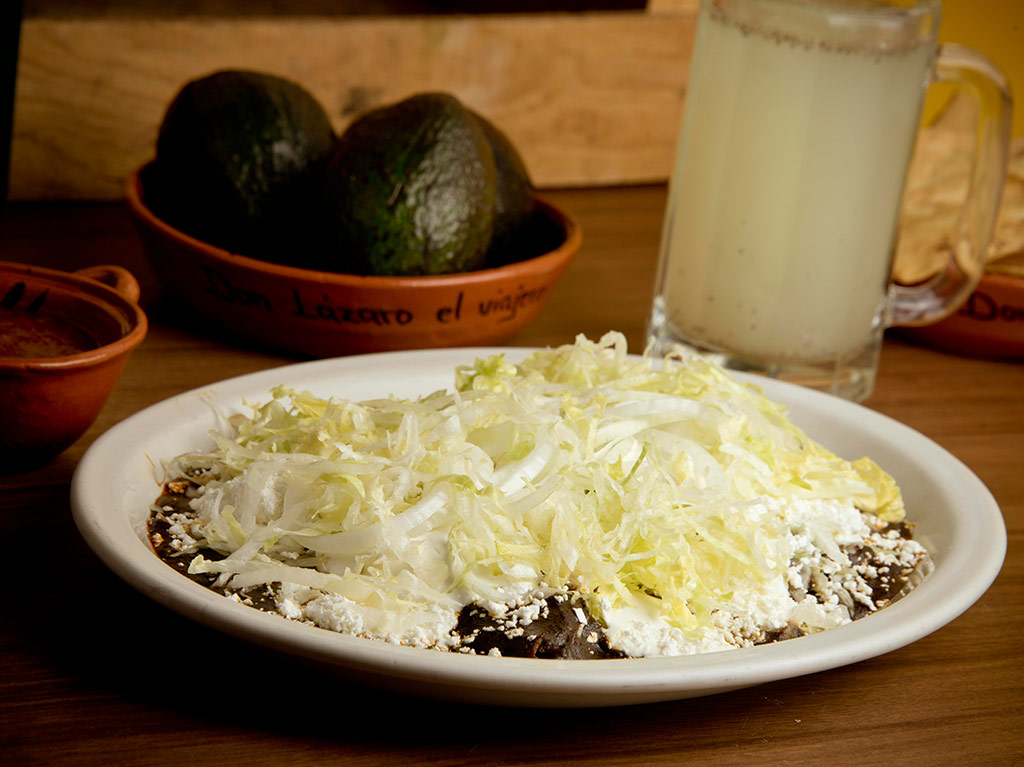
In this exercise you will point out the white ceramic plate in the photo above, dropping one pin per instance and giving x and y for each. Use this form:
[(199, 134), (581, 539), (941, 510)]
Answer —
[(958, 520)]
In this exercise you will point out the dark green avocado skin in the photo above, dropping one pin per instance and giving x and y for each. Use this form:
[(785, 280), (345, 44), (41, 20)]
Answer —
[(409, 190), (514, 201), (235, 154)]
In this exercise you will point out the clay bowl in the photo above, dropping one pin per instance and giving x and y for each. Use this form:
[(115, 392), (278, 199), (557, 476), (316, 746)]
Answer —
[(64, 340), (989, 324), (324, 314)]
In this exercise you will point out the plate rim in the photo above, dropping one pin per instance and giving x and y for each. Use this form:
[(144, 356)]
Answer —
[(966, 573)]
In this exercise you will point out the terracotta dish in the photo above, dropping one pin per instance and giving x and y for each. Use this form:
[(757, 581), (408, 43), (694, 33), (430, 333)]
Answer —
[(989, 324), (64, 340), (323, 314)]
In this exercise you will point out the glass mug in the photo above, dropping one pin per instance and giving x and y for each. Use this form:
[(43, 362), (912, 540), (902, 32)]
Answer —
[(785, 197)]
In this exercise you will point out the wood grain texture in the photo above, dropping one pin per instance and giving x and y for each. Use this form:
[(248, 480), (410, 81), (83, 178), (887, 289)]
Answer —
[(589, 98), (79, 686)]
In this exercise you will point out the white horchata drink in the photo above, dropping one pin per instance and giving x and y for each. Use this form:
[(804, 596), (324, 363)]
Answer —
[(782, 216)]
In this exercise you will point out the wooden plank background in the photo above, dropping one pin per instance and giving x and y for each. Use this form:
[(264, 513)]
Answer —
[(590, 98)]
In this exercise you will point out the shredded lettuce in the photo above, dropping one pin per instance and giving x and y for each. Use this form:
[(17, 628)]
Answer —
[(652, 485)]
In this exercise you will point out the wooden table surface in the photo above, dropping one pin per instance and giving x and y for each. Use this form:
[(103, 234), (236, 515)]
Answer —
[(95, 674)]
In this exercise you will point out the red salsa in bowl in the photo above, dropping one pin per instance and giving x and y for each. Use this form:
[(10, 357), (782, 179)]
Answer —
[(28, 335), (64, 340)]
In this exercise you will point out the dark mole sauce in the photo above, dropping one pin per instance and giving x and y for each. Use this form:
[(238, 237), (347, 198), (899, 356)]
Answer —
[(33, 336), (175, 500), (557, 632)]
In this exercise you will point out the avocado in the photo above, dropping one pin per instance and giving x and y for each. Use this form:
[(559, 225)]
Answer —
[(514, 203), (235, 150), (410, 189)]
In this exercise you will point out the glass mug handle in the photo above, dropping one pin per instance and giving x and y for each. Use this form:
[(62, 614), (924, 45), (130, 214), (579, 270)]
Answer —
[(940, 296)]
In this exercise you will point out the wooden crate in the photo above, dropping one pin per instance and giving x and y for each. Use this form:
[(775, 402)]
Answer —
[(590, 98)]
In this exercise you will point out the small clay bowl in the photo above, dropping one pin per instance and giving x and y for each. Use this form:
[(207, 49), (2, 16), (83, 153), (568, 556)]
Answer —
[(64, 340), (324, 314)]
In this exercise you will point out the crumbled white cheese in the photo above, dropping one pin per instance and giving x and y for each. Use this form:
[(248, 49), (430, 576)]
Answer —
[(797, 561), (682, 507)]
